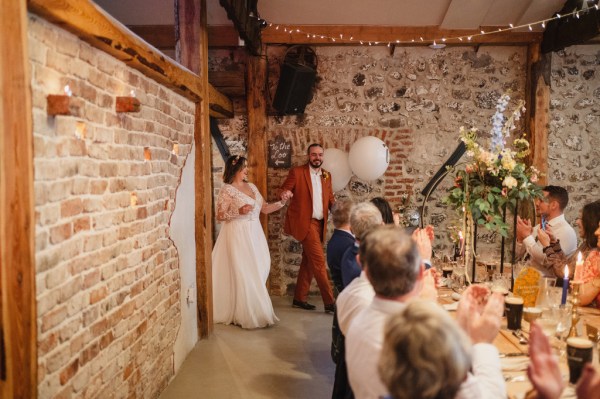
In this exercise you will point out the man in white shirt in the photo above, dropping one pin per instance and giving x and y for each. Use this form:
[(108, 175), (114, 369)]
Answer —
[(550, 208), (392, 264)]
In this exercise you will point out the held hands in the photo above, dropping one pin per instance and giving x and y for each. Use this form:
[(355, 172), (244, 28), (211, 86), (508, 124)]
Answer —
[(524, 228), (286, 195)]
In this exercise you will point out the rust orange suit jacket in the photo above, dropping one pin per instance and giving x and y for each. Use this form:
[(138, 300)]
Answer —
[(299, 212)]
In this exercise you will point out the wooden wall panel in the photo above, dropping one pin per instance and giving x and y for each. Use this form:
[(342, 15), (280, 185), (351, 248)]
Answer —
[(18, 373)]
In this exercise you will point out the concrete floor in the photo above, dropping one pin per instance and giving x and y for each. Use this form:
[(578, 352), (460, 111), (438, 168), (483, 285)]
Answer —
[(289, 360)]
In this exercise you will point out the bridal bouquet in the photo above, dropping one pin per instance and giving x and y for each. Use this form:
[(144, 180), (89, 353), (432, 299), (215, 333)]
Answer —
[(496, 177)]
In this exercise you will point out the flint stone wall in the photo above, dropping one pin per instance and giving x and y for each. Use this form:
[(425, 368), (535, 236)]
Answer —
[(415, 101)]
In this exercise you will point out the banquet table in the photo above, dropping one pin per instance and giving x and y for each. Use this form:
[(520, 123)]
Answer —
[(514, 356)]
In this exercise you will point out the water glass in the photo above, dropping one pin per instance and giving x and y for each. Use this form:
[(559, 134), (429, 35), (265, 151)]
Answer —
[(458, 278)]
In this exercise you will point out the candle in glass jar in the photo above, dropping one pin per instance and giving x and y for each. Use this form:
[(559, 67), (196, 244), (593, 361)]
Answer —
[(578, 268), (565, 287)]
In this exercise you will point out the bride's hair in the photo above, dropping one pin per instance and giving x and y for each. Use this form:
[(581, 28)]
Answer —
[(233, 165)]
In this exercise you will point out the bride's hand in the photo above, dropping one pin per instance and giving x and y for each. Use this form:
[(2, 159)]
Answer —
[(245, 209)]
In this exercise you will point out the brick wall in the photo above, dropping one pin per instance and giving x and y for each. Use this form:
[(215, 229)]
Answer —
[(107, 271), (415, 101), (574, 133)]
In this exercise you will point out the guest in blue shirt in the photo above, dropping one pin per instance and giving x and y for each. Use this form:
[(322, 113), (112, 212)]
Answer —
[(340, 241), (364, 217)]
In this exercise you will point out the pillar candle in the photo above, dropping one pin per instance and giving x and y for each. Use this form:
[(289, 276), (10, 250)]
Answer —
[(565, 289), (578, 268)]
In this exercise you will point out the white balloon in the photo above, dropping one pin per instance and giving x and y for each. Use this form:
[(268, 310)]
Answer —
[(369, 158), (336, 162)]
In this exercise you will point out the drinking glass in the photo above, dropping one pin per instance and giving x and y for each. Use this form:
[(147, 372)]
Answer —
[(545, 298), (458, 278), (500, 284)]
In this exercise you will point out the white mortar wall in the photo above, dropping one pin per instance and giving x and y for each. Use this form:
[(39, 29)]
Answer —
[(183, 235)]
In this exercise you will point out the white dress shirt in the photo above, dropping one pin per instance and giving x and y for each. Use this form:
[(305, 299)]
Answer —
[(317, 193), (487, 381), (563, 231), (363, 346), (352, 300)]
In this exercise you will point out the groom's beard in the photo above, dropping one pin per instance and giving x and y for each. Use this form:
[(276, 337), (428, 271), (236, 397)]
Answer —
[(315, 164)]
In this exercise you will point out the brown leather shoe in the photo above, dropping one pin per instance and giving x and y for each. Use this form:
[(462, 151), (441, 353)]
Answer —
[(303, 305)]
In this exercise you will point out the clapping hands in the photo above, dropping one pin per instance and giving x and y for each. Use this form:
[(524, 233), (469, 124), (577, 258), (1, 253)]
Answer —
[(545, 237), (479, 315), (524, 228)]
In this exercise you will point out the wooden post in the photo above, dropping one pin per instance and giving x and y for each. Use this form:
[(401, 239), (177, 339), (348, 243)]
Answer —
[(18, 368), (256, 71), (537, 92), (192, 52)]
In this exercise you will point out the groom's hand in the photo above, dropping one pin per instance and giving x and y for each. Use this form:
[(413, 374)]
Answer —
[(286, 195)]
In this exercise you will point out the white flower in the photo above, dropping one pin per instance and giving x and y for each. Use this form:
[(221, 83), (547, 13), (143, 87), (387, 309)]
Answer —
[(510, 182)]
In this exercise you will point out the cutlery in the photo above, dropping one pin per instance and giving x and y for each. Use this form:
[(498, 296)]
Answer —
[(519, 335), (513, 354)]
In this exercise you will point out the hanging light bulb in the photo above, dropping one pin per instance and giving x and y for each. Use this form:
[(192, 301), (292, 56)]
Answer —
[(482, 32), (351, 37), (543, 24), (277, 27), (460, 38), (443, 39), (511, 25), (530, 28), (557, 15), (421, 38), (469, 38), (577, 15)]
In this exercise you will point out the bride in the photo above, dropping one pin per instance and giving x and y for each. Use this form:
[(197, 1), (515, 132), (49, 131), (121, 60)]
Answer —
[(240, 258)]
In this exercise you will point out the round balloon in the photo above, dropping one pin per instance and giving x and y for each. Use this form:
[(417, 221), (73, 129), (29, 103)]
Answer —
[(369, 158), (336, 162)]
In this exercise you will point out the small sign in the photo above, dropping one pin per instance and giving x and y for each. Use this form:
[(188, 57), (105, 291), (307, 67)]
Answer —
[(280, 153)]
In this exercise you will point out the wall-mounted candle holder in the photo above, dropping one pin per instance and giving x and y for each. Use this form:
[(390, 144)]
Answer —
[(80, 130), (59, 104), (133, 199), (127, 104)]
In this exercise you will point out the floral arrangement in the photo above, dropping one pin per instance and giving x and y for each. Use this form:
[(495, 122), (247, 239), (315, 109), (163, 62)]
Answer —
[(493, 178), (324, 174)]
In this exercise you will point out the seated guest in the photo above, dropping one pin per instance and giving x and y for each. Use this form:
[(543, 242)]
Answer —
[(426, 355), (590, 275), (392, 265), (389, 217), (588, 223), (545, 375), (550, 209), (363, 217), (340, 240), (359, 293)]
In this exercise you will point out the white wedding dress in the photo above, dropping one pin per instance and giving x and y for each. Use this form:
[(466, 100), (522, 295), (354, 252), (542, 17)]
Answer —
[(241, 263)]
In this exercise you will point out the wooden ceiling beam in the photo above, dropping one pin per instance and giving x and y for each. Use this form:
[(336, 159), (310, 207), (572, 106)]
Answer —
[(389, 34), (90, 23), (163, 36)]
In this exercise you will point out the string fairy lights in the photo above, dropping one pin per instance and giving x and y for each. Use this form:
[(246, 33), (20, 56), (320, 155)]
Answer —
[(529, 26)]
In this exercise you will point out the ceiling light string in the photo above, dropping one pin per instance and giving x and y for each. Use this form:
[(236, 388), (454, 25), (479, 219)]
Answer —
[(435, 41)]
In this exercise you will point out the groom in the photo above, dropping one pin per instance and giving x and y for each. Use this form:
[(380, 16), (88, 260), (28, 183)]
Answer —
[(309, 188)]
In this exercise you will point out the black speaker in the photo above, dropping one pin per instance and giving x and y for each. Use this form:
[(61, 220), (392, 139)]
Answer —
[(294, 88)]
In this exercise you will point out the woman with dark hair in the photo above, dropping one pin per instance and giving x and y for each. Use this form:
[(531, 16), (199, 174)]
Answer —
[(240, 258), (589, 230), (384, 207)]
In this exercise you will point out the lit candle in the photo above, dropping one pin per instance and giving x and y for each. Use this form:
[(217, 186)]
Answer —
[(565, 286), (68, 91), (461, 243), (578, 268)]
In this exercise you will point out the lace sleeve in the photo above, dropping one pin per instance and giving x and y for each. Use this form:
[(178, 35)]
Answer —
[(226, 208)]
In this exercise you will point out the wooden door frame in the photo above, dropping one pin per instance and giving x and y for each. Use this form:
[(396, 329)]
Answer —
[(17, 221)]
